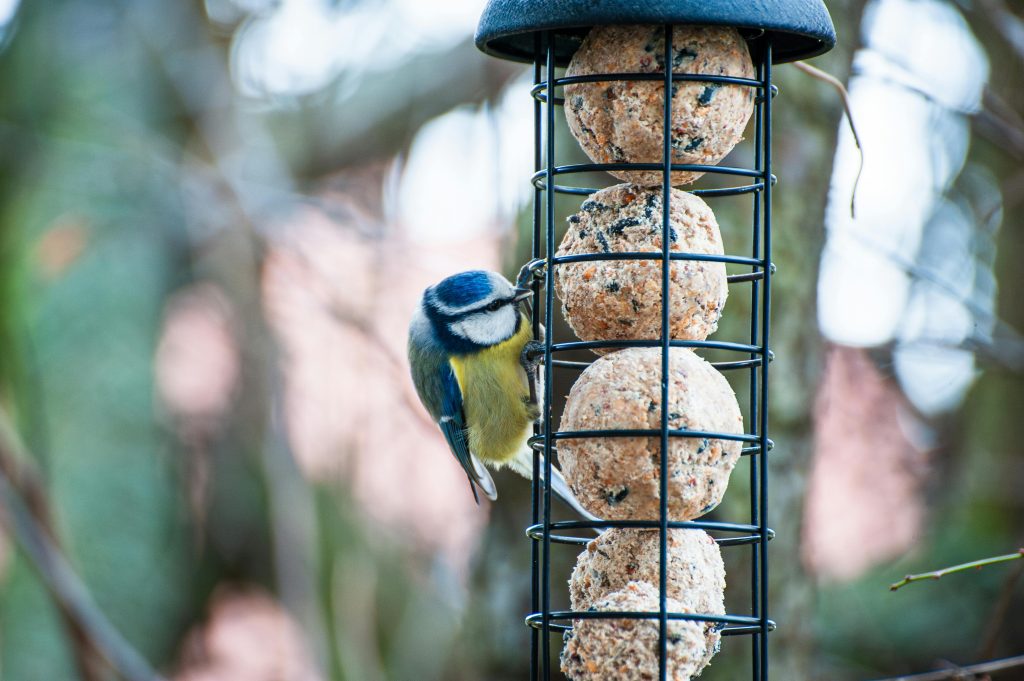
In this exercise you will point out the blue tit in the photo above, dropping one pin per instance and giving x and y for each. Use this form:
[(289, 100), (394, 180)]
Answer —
[(469, 348)]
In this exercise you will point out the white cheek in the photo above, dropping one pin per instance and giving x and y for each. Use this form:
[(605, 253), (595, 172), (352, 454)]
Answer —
[(488, 328)]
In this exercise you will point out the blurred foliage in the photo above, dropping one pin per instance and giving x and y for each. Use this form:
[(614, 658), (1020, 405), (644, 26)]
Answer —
[(90, 226), (132, 169)]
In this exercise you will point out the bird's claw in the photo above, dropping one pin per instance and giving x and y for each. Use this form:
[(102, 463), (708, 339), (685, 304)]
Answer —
[(530, 272), (532, 355)]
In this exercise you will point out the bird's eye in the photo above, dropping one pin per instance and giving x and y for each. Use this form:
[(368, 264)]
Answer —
[(494, 306)]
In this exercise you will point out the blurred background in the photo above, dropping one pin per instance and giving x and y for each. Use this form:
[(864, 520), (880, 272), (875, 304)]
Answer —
[(216, 219)]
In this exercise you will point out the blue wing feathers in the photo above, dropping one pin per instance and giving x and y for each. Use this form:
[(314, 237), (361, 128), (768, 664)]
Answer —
[(440, 393), (453, 418)]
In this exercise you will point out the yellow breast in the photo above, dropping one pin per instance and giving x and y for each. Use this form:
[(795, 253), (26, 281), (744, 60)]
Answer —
[(495, 398)]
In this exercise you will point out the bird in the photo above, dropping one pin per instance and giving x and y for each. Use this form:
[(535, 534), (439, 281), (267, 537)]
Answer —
[(472, 358)]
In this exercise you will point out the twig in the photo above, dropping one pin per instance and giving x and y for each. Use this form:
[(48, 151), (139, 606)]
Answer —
[(938, 574), (1001, 129), (1005, 346), (1012, 190), (1006, 353), (999, 611), (845, 97), (1009, 26), (65, 586), (25, 478), (963, 672)]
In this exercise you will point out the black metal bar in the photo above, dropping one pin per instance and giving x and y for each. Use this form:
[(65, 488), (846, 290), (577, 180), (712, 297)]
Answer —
[(549, 252), (535, 253), (754, 396), (766, 303), (756, 449), (740, 364), (752, 276), (731, 191), (754, 629), (666, 265)]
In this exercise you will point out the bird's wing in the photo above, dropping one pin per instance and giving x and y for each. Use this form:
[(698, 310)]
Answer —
[(453, 424)]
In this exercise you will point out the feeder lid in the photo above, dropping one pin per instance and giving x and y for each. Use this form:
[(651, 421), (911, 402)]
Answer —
[(799, 28)]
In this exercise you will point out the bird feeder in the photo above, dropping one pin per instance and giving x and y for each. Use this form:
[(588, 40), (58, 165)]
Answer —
[(641, 279)]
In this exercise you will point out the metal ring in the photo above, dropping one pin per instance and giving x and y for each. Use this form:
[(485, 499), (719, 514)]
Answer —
[(536, 442), (733, 630), (656, 255), (721, 366), (539, 178), (742, 630), (652, 432), (536, 532), (536, 620), (724, 192), (741, 278), (655, 343), (539, 91), (756, 449)]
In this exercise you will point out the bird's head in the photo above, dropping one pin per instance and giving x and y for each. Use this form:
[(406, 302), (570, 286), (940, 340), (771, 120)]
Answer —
[(474, 310)]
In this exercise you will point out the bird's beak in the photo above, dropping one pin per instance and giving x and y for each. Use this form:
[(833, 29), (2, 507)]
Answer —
[(522, 293)]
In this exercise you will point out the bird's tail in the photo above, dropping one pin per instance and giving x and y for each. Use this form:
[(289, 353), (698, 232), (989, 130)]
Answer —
[(523, 465)]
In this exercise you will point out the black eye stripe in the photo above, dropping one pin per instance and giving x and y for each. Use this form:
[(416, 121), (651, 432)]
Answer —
[(499, 303)]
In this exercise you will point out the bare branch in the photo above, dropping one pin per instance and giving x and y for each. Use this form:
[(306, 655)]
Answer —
[(1000, 610), (64, 585), (998, 121), (938, 574), (845, 97), (1003, 347), (1008, 24), (963, 672), (1005, 352), (23, 477)]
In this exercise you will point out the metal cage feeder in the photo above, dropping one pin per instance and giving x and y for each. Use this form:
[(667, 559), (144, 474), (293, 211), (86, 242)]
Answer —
[(547, 33)]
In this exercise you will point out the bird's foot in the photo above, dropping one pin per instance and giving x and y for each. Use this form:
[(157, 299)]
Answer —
[(533, 410), (531, 271), (532, 355)]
